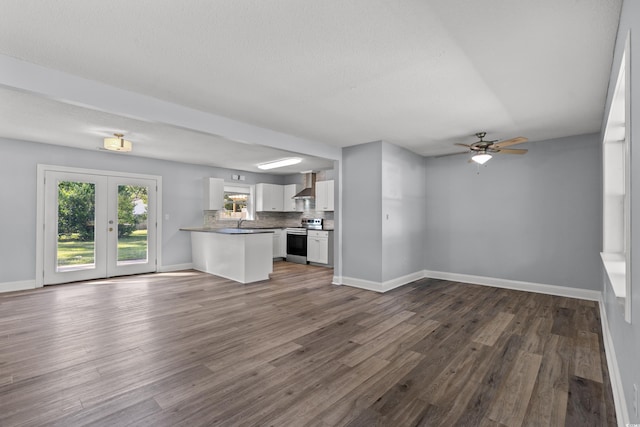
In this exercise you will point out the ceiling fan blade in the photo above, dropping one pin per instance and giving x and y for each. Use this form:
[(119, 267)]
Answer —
[(452, 154), (463, 145), (513, 151), (509, 142)]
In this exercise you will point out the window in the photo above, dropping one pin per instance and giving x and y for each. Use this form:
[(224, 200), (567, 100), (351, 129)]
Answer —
[(238, 202), (616, 225)]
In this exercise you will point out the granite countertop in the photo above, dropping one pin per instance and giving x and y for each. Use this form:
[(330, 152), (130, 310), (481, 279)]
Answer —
[(227, 230)]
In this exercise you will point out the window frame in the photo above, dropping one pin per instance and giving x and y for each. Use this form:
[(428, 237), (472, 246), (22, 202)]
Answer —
[(243, 189), (616, 180)]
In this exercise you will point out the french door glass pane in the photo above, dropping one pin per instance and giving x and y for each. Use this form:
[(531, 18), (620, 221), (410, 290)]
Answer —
[(76, 226), (132, 224)]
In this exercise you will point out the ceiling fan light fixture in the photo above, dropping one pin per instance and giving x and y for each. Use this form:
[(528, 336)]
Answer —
[(118, 143), (482, 158), (279, 163)]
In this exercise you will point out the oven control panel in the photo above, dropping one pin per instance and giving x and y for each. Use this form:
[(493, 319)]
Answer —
[(312, 223)]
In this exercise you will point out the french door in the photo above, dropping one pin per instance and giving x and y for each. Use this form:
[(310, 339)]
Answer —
[(98, 226)]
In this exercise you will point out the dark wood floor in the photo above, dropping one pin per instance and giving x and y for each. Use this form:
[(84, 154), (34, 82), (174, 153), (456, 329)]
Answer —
[(192, 349)]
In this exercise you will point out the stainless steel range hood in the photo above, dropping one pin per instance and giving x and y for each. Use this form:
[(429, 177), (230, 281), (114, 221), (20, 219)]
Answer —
[(309, 184)]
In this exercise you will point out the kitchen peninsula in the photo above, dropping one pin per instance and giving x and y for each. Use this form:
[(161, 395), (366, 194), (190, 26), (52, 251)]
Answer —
[(243, 255)]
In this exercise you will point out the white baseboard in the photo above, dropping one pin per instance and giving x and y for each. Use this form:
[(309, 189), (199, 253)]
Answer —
[(614, 372), (21, 285), (517, 285), (175, 267), (337, 280), (380, 286)]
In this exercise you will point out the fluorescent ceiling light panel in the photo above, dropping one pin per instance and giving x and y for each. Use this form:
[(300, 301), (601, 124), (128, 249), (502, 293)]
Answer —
[(279, 163)]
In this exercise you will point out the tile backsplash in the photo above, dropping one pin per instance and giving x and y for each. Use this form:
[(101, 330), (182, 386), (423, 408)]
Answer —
[(268, 219)]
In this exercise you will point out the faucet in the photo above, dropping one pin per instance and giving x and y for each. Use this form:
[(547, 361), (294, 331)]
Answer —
[(240, 221)]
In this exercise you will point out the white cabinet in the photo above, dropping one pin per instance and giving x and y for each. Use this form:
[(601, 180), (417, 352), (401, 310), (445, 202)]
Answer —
[(269, 197), (283, 244), (213, 194), (324, 195), (245, 258), (279, 243), (318, 246), (290, 204)]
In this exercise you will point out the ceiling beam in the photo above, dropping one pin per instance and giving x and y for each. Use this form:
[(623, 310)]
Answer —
[(67, 88)]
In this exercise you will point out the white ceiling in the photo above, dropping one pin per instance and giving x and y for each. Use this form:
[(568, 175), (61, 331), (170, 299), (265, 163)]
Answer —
[(419, 74), (45, 120)]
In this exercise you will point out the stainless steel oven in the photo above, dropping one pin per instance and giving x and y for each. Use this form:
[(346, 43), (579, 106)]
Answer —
[(297, 239), (297, 245)]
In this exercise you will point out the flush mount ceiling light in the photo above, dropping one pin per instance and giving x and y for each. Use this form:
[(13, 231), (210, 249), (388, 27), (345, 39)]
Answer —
[(482, 157), (279, 163), (118, 143)]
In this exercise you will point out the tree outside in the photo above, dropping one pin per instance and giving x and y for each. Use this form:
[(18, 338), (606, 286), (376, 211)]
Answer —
[(132, 212), (76, 210), (76, 223)]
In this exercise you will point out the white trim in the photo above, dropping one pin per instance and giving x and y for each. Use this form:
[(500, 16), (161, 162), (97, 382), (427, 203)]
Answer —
[(40, 172), (614, 372), (381, 286), (175, 267), (70, 169), (337, 244), (21, 285), (517, 285)]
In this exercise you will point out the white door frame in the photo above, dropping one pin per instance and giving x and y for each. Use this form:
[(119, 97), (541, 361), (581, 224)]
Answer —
[(40, 213)]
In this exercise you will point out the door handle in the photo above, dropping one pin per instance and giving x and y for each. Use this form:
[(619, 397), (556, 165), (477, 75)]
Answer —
[(110, 228)]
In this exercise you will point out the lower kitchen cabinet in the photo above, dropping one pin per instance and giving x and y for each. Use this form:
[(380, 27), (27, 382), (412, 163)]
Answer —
[(279, 243), (319, 247)]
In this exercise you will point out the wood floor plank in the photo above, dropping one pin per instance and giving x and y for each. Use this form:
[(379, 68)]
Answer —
[(377, 344), (191, 349), (399, 347), (585, 406), (499, 364), (548, 403), (491, 331), (563, 322), (310, 406), (511, 403), (373, 331), (458, 382), (587, 359), (346, 410)]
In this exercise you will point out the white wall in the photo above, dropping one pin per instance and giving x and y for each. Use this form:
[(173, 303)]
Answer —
[(182, 198), (626, 337)]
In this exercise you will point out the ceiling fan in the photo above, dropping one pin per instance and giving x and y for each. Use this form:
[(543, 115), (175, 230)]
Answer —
[(483, 149)]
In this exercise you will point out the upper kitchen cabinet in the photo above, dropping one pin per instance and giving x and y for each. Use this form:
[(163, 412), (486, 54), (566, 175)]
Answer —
[(290, 204), (324, 195), (269, 197), (213, 194)]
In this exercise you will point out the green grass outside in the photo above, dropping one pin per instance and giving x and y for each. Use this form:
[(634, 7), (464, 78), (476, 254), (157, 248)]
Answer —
[(71, 251)]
